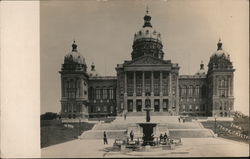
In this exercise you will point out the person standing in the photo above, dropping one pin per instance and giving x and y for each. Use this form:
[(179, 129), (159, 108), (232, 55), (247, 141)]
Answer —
[(161, 137), (131, 135), (165, 137), (179, 119), (105, 140)]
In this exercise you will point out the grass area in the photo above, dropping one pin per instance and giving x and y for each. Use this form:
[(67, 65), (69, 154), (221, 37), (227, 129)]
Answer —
[(54, 132), (242, 122)]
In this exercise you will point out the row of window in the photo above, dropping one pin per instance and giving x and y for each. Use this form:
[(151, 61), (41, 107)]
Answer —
[(156, 105), (193, 108), (104, 108), (71, 108), (74, 88), (101, 93), (193, 91)]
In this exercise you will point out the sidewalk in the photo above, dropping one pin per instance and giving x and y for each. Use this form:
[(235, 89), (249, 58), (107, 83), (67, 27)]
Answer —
[(192, 147)]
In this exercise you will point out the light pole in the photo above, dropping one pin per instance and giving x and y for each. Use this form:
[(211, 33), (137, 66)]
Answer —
[(79, 126), (215, 123), (229, 112)]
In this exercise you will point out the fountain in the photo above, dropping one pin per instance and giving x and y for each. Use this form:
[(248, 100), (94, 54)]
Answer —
[(148, 127)]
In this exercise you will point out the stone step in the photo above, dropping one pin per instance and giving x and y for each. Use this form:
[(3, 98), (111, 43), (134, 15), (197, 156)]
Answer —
[(152, 113), (98, 134), (140, 119)]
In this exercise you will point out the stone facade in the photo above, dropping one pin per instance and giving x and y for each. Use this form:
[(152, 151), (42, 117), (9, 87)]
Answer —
[(147, 78)]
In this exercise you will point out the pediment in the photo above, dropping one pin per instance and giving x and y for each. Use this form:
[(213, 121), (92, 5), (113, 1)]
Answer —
[(147, 60)]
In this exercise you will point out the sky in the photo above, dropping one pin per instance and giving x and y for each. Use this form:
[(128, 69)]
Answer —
[(104, 31)]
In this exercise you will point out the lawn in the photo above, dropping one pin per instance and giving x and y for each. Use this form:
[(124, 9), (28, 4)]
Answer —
[(242, 122), (54, 132)]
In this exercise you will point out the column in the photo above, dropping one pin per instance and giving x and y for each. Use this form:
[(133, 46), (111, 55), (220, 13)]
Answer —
[(125, 103), (134, 104), (229, 86), (161, 104), (215, 90), (63, 87), (125, 83), (232, 85), (152, 83), (143, 103), (170, 86), (161, 84), (161, 94), (177, 95), (134, 78), (170, 92), (81, 88), (143, 83)]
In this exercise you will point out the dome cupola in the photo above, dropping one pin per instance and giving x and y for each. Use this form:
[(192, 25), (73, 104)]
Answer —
[(74, 60), (147, 41), (220, 59)]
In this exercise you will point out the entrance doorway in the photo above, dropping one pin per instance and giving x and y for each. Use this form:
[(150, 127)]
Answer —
[(165, 105), (130, 105), (157, 105), (138, 105)]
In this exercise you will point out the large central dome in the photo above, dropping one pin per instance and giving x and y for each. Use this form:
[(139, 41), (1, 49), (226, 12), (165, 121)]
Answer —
[(147, 41)]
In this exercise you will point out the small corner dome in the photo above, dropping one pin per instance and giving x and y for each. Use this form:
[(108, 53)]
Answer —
[(93, 72), (74, 56), (220, 53), (201, 71)]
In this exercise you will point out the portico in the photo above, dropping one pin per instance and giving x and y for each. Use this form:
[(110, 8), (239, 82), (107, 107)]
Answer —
[(149, 80)]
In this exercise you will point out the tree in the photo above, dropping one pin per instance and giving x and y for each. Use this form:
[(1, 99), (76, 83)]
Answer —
[(49, 116)]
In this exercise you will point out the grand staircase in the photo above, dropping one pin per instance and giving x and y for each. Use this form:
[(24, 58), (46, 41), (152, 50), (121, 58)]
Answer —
[(120, 128)]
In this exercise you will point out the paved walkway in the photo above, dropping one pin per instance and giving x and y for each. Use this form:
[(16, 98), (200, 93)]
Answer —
[(192, 147)]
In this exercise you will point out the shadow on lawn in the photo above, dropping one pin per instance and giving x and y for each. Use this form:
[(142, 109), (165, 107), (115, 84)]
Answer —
[(54, 132)]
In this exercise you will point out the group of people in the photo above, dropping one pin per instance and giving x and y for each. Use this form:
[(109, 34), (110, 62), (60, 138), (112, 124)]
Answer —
[(163, 138), (179, 119)]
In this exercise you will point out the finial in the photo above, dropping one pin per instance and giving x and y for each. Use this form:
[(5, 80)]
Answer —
[(201, 65), (92, 66), (74, 46), (219, 45), (147, 19)]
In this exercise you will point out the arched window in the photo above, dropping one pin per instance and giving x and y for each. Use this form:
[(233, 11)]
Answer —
[(197, 92), (190, 108), (97, 93), (105, 93), (190, 91), (196, 108), (111, 93), (183, 108), (184, 91)]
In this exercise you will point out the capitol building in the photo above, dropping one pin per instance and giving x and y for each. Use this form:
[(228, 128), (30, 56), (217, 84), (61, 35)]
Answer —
[(147, 79)]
